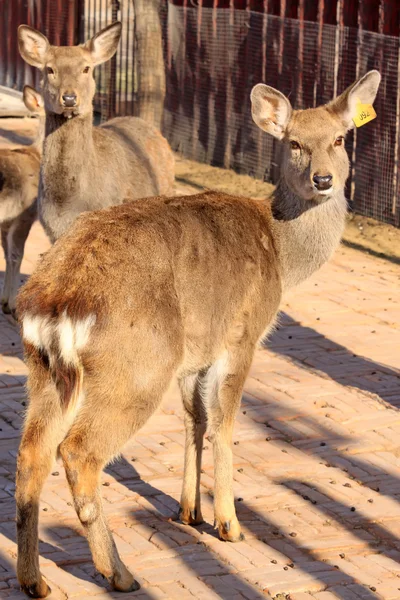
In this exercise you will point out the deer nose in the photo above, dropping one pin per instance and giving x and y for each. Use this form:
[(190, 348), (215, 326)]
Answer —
[(322, 182), (69, 100)]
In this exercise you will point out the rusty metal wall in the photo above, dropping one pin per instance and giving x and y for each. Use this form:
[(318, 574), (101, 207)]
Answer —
[(59, 20)]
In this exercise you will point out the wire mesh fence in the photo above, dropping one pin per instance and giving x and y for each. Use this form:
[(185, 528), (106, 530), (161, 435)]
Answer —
[(115, 80), (216, 50), (214, 61)]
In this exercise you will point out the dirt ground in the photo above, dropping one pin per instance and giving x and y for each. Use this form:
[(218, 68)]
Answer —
[(361, 233), (376, 238)]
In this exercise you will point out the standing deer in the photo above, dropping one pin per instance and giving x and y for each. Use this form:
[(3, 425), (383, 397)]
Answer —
[(138, 293), (85, 168), (19, 178)]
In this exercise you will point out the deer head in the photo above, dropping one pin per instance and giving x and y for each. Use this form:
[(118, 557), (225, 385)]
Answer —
[(67, 71), (315, 164)]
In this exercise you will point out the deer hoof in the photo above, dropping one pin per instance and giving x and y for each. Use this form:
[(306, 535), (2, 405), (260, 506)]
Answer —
[(36, 590), (230, 531), (190, 516), (125, 583)]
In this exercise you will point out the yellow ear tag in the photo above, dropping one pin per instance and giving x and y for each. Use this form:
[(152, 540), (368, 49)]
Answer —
[(364, 114)]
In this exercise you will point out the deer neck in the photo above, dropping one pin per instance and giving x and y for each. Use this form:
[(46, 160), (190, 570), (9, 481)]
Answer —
[(37, 143), (68, 146), (307, 233)]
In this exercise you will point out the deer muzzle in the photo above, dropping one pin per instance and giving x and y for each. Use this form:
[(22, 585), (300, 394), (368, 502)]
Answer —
[(322, 183), (69, 100)]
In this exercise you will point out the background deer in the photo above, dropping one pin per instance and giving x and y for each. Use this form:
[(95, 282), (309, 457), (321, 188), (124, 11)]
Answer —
[(136, 294), (19, 178), (84, 167)]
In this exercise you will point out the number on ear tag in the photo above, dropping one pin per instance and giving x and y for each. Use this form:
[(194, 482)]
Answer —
[(364, 114)]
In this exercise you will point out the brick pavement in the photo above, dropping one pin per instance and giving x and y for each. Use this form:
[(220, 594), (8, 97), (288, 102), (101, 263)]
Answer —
[(316, 462)]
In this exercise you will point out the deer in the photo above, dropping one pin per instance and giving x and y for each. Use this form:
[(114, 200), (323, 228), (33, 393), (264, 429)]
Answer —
[(135, 295), (85, 167), (19, 178)]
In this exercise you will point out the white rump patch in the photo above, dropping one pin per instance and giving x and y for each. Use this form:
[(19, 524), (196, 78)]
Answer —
[(66, 335), (72, 336), (82, 331), (37, 331)]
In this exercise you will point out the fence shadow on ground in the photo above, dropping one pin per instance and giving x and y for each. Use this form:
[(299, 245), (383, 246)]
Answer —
[(355, 246), (253, 522), (311, 560), (327, 448), (366, 374), (356, 521), (301, 558)]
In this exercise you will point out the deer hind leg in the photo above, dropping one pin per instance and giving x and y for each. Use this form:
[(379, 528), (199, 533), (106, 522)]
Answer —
[(223, 392), (42, 434), (195, 424), (104, 424), (83, 468)]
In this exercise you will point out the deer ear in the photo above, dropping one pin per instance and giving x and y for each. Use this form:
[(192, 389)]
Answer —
[(105, 43), (270, 109), (32, 99), (364, 90), (33, 46)]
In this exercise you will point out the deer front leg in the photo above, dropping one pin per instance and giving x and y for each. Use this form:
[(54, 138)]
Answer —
[(6, 283), (13, 241), (224, 507), (224, 384)]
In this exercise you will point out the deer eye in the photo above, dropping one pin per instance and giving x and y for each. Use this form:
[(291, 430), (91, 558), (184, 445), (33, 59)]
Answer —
[(86, 69), (294, 145), (339, 141), (50, 71)]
